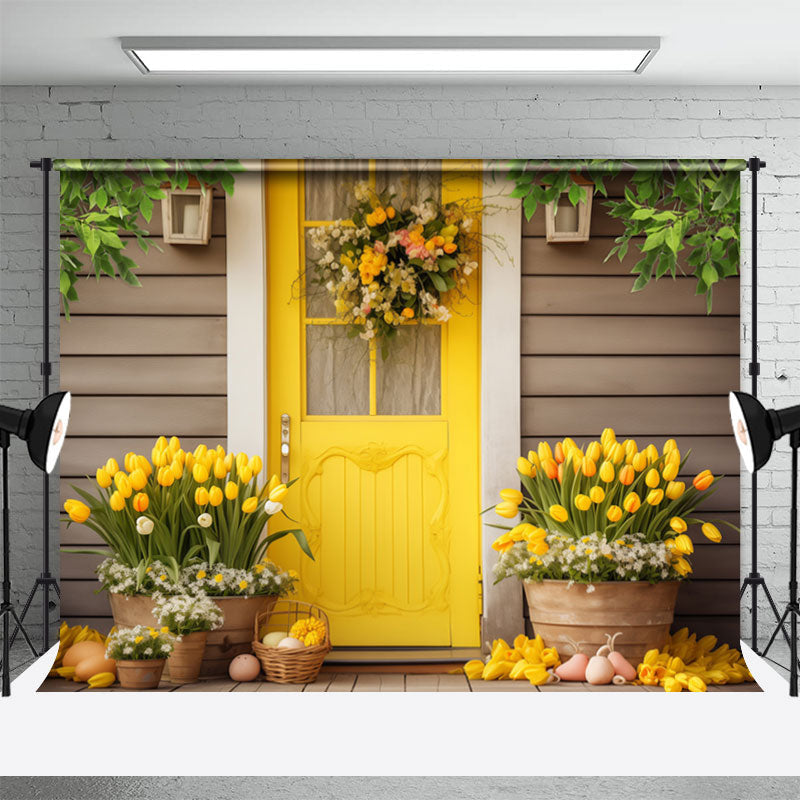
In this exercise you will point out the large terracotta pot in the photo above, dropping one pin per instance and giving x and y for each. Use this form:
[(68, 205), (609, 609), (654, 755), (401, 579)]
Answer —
[(144, 674), (186, 658), (642, 612), (222, 645)]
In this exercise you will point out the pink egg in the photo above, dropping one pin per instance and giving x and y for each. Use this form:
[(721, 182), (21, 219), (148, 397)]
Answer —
[(244, 668)]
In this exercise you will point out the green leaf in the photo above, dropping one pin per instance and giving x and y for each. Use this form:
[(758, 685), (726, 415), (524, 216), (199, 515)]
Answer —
[(438, 281), (642, 213), (146, 207), (653, 240)]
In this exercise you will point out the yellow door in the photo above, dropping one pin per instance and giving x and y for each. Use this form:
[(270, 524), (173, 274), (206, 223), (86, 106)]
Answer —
[(386, 451)]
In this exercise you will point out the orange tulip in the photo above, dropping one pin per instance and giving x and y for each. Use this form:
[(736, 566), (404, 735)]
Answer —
[(550, 468), (140, 502), (559, 453), (627, 475), (588, 467), (703, 480)]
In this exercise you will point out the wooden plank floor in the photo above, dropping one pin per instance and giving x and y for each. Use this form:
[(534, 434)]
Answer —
[(380, 682)]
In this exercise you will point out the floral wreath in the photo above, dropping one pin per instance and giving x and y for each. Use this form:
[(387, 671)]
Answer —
[(390, 265)]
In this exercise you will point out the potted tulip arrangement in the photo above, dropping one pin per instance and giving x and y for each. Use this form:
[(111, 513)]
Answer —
[(602, 545), (140, 653), (188, 522), (189, 617)]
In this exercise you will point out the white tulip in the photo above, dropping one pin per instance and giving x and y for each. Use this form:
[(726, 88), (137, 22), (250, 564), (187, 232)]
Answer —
[(144, 526), (272, 508), (204, 520)]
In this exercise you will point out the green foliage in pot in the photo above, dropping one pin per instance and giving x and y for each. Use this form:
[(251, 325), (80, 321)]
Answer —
[(100, 199), (667, 208)]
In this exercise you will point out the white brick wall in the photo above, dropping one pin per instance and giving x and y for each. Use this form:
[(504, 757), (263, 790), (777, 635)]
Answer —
[(413, 122)]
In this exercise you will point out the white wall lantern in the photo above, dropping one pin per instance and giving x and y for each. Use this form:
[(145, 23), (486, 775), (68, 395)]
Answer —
[(570, 223), (186, 216)]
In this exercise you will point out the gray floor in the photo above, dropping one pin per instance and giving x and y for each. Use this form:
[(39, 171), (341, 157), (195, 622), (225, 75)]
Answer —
[(429, 788)]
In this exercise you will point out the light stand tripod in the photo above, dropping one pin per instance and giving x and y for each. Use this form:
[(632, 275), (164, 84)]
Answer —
[(754, 580), (792, 607), (7, 611), (45, 581)]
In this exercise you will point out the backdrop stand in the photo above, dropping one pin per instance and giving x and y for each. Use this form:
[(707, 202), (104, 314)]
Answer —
[(45, 581)]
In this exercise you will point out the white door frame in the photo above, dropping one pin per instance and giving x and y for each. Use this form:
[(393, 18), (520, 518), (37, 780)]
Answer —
[(500, 357)]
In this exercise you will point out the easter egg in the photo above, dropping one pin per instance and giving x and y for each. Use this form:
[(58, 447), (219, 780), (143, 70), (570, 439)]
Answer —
[(273, 639), (244, 668), (78, 652), (93, 665), (290, 643)]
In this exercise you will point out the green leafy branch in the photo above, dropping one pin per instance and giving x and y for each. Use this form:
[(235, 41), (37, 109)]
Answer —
[(667, 207), (100, 199)]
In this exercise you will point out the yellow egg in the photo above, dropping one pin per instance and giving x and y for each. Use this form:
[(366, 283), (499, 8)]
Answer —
[(92, 665), (244, 668), (78, 652), (273, 639)]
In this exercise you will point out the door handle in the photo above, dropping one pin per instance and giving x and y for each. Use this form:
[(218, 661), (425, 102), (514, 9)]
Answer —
[(285, 420)]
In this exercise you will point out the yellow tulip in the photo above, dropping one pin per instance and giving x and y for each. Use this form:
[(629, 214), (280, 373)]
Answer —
[(655, 496), (677, 524), (201, 496), (246, 474), (199, 473), (250, 505), (594, 451), (123, 484), (474, 669), (538, 547), (256, 464), (533, 457), (607, 435), (174, 445), (160, 444), (544, 450), (632, 502), (675, 489), (512, 495), (241, 461), (144, 465), (165, 477), (671, 685), (215, 495), (669, 445), (607, 472), (598, 494), (682, 567), (176, 468), (588, 467), (129, 462), (639, 461), (506, 509), (652, 453), (524, 467), (103, 478), (278, 494), (219, 469), (518, 671), (112, 467), (652, 478), (614, 514), (161, 459), (497, 670), (138, 479), (617, 454), (503, 543), (583, 502), (559, 513), (627, 475), (140, 502), (683, 544), (116, 501), (180, 456), (229, 461), (696, 684), (231, 490), (77, 511), (711, 532), (101, 680), (200, 451), (670, 472)]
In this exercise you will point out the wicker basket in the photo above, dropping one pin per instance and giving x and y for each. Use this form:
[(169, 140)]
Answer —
[(283, 665)]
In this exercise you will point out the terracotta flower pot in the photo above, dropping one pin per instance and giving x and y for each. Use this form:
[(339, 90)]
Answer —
[(643, 612), (144, 674), (222, 645), (185, 659)]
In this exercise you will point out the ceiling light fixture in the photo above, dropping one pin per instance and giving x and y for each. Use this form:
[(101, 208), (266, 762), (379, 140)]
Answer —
[(391, 54)]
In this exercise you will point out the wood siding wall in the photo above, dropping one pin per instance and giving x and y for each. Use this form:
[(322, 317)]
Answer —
[(651, 365), (141, 362)]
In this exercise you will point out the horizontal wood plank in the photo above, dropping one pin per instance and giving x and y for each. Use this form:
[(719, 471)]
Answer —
[(81, 456), (141, 416), (717, 453), (144, 336), (611, 295), (629, 375), (79, 598), (158, 295), (138, 375), (708, 597), (102, 624), (619, 335), (172, 259), (79, 565), (715, 561), (660, 416), (586, 258)]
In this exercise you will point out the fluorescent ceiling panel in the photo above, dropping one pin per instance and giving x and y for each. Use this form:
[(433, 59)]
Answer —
[(392, 55)]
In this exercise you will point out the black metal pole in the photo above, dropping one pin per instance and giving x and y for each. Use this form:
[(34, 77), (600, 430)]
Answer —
[(793, 605), (6, 571)]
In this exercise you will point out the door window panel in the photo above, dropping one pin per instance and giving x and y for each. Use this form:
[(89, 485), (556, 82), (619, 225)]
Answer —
[(337, 372), (329, 187)]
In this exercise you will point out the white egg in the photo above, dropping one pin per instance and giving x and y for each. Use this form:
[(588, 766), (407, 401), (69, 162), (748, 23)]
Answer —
[(273, 639), (290, 643)]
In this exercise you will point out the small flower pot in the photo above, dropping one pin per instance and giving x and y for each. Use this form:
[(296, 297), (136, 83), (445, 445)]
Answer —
[(144, 674), (186, 657)]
